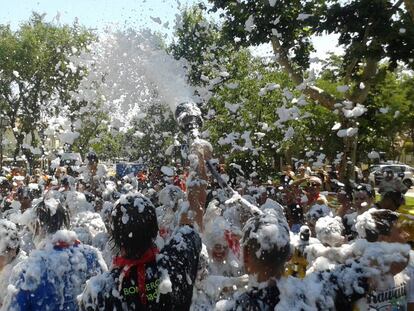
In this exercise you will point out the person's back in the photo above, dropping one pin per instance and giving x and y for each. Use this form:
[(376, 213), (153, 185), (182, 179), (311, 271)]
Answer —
[(266, 248), (142, 279), (258, 299), (388, 291), (154, 280), (52, 277), (391, 183)]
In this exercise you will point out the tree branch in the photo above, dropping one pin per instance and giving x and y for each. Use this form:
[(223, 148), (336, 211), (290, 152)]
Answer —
[(352, 64), (284, 61), (397, 5), (315, 93), (360, 95)]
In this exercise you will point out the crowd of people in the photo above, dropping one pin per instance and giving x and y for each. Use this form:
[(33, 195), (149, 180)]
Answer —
[(82, 239)]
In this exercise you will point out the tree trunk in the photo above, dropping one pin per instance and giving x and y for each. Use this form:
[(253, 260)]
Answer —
[(19, 142), (315, 93), (342, 171), (409, 5), (30, 159), (288, 157), (354, 155)]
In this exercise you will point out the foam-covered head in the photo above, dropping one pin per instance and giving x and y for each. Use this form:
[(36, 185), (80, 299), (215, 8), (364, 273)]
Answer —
[(266, 237), (315, 180), (330, 231), (51, 216), (373, 223), (214, 231), (9, 239), (170, 196), (271, 204), (188, 116), (134, 224), (317, 211)]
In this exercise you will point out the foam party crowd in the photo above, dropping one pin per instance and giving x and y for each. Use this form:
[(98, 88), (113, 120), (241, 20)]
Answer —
[(248, 155), (199, 239)]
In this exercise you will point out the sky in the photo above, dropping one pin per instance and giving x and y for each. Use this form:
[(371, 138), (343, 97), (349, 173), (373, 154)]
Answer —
[(157, 15), (96, 14)]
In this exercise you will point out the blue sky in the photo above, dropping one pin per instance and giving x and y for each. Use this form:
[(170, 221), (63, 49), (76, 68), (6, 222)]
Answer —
[(98, 14)]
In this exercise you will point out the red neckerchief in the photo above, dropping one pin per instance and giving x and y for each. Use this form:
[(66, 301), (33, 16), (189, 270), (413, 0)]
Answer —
[(312, 198), (232, 241), (179, 183), (164, 232), (63, 244), (126, 265)]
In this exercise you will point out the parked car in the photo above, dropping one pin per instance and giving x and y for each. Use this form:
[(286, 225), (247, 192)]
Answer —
[(403, 171)]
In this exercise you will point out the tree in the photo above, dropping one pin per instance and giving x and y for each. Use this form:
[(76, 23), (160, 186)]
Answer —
[(409, 4), (408, 84), (388, 123), (196, 39), (108, 145), (92, 125), (37, 75), (254, 114), (368, 30), (150, 135)]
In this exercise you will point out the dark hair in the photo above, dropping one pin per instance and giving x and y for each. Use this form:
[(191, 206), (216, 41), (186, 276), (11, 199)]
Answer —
[(65, 181), (365, 188), (395, 197), (285, 180), (70, 171), (52, 220), (35, 192), (295, 213), (91, 156), (134, 224), (384, 221), (4, 183), (275, 256), (25, 192)]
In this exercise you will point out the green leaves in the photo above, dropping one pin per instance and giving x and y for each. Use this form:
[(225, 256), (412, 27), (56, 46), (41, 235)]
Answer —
[(239, 105), (151, 135), (37, 75)]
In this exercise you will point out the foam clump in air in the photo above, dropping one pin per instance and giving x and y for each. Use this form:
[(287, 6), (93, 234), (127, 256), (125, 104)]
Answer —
[(137, 72)]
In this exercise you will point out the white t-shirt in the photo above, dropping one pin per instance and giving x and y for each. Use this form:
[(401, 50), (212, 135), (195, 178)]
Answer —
[(390, 294), (410, 284), (101, 173)]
